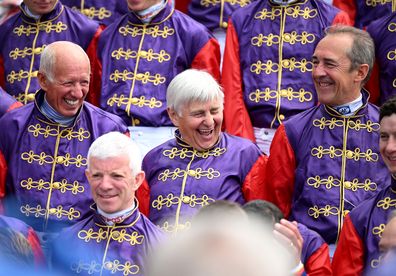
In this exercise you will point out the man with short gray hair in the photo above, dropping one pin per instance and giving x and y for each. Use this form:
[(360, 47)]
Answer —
[(43, 150), (201, 164), (326, 160)]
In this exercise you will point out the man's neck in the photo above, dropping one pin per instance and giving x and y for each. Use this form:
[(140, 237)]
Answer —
[(349, 108), (32, 15)]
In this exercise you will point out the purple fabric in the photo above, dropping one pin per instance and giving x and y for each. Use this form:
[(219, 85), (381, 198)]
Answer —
[(21, 45), (368, 11), (370, 218), (46, 163), (312, 242), (169, 45), (180, 177), (383, 32), (338, 165), (259, 28), (5, 102), (14, 224), (103, 11), (214, 14), (91, 245)]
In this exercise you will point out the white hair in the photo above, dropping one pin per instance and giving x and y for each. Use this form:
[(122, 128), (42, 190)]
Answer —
[(116, 144), (192, 85), (49, 55)]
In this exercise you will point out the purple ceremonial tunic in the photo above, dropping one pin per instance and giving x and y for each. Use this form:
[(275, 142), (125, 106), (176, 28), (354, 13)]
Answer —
[(6, 102), (213, 13), (138, 61), (369, 220), (276, 44), (366, 11), (91, 247), (182, 180), (103, 11), (338, 165), (312, 242), (46, 184), (24, 38), (383, 32)]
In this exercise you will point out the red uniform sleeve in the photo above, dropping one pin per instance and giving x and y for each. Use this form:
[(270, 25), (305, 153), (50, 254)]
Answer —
[(182, 5), (143, 197), (373, 85), (208, 59), (349, 6), (348, 258), (318, 264), (3, 175), (96, 70), (253, 186), (342, 18), (236, 117), (34, 242), (280, 172)]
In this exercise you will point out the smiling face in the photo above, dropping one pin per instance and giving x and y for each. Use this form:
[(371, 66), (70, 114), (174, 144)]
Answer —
[(199, 123), (139, 5), (387, 142), (335, 82), (40, 7), (112, 184), (67, 91)]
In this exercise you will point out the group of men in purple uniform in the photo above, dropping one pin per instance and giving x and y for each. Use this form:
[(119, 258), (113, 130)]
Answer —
[(133, 62)]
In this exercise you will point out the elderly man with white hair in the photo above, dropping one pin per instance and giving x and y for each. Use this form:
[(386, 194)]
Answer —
[(116, 237), (201, 164)]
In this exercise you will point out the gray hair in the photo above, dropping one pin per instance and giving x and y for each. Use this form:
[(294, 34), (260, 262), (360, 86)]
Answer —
[(362, 50), (48, 56), (116, 144), (192, 85)]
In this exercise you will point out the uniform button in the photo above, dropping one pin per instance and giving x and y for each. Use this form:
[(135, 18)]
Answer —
[(192, 172), (143, 54), (286, 37), (347, 184), (30, 97), (109, 265), (186, 199), (34, 74), (283, 93), (349, 154), (52, 211), (285, 63), (86, 11), (139, 75), (56, 185), (115, 235), (136, 121), (224, 25), (60, 159), (37, 51), (281, 117)]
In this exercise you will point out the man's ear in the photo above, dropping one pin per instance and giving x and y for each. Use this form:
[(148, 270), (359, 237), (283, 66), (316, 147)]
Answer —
[(42, 81), (173, 116), (139, 178), (88, 175), (362, 72)]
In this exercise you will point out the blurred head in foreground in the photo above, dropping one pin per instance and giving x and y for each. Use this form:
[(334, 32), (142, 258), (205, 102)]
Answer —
[(226, 246)]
